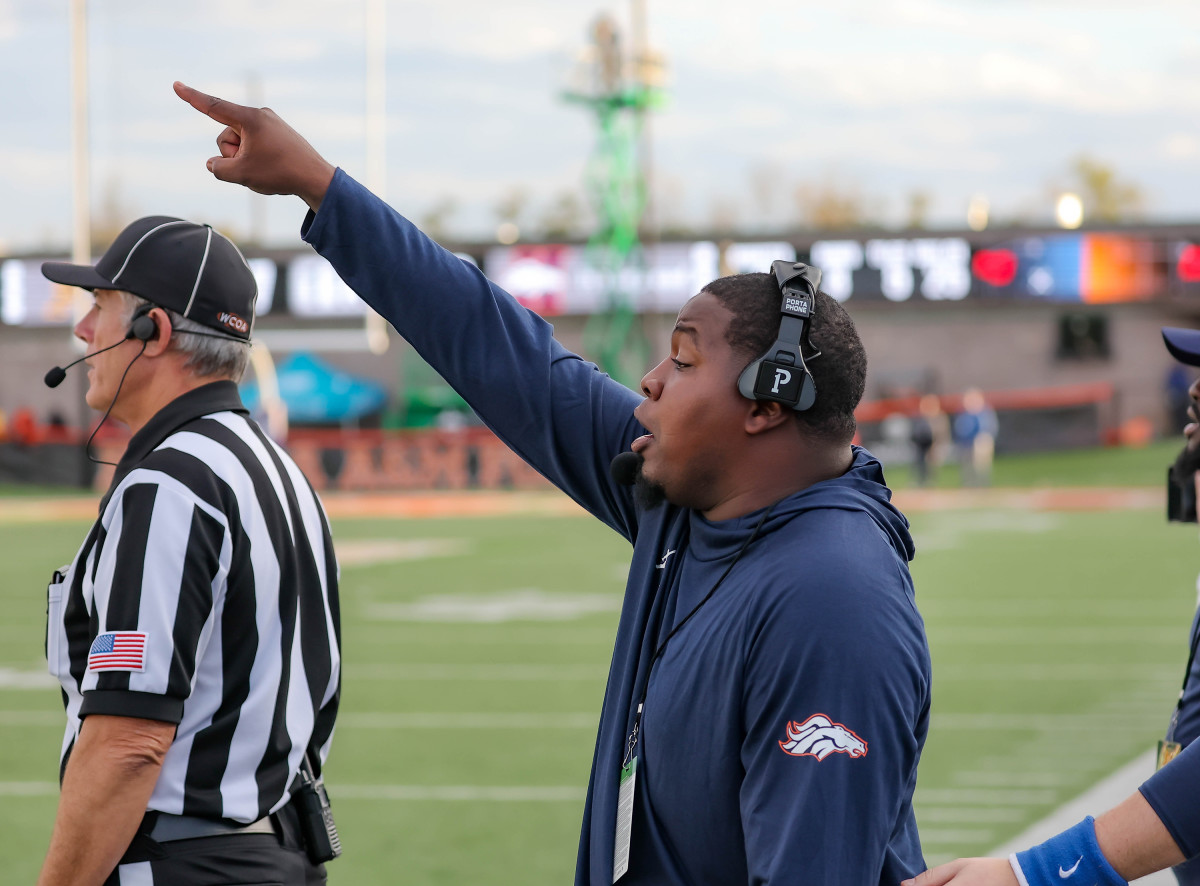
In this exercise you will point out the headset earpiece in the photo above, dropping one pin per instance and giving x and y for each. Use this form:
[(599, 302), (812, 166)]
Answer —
[(780, 375), (142, 326)]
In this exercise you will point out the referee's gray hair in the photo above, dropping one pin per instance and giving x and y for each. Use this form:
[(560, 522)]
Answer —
[(206, 356)]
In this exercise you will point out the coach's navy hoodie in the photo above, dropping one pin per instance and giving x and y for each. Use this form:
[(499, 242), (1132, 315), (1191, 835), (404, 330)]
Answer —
[(783, 723)]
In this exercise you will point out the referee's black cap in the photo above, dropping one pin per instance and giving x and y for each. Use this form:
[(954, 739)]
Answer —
[(1184, 344), (186, 267)]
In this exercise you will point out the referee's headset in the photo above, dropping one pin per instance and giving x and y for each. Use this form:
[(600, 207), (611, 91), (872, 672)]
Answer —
[(781, 375), (142, 327)]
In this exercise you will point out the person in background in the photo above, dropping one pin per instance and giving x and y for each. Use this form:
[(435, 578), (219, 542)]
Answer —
[(930, 430), (975, 431)]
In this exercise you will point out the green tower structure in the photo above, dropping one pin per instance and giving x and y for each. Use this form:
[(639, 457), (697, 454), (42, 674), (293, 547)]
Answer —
[(619, 91)]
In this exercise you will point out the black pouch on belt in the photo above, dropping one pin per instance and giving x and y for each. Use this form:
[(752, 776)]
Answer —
[(321, 840)]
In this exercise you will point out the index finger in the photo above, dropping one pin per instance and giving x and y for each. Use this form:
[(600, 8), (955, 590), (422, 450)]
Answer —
[(217, 108)]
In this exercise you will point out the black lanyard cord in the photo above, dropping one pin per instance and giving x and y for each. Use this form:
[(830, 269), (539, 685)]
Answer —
[(1194, 642), (631, 742)]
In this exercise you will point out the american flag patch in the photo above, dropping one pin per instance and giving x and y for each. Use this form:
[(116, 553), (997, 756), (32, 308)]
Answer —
[(118, 651)]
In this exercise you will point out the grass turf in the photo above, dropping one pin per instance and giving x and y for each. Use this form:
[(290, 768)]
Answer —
[(1058, 642)]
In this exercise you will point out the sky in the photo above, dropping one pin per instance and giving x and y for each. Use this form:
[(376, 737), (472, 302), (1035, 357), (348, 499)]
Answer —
[(881, 98)]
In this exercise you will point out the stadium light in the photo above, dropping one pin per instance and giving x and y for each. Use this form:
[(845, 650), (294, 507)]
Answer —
[(508, 233), (1069, 211), (977, 213)]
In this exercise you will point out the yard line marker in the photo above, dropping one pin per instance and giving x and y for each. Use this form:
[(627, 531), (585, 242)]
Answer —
[(1115, 722), (1016, 671), (374, 551), (1055, 635), (481, 672), (1100, 798), (33, 718), (954, 836), (984, 797), (21, 679), (460, 793), (521, 604), (28, 788), (425, 720), (965, 815), (1007, 779)]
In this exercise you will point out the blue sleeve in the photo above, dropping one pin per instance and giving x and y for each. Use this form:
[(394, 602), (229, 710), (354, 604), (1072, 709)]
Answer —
[(556, 411), (1172, 792), (836, 707)]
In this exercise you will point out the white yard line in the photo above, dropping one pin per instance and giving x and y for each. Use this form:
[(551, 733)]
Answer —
[(423, 720), (472, 673), (1099, 798)]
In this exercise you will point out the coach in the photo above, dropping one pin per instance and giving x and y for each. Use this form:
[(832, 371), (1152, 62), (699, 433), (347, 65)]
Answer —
[(196, 634), (768, 695)]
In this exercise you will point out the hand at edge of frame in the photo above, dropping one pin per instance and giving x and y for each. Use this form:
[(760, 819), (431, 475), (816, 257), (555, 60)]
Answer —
[(968, 872), (260, 151)]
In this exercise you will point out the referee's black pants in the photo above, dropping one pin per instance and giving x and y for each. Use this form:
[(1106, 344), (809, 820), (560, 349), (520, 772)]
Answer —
[(275, 859)]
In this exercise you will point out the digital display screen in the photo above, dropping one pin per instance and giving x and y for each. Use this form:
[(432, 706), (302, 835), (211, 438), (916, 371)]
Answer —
[(29, 299), (933, 268)]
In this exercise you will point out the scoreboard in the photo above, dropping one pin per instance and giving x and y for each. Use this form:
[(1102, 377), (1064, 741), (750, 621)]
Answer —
[(1088, 268)]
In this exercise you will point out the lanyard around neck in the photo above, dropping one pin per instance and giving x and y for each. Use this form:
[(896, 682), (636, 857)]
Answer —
[(631, 742)]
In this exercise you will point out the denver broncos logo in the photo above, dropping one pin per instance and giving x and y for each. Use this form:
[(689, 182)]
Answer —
[(818, 736)]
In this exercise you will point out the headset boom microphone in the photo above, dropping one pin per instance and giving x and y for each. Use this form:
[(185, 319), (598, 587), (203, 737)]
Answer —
[(624, 468), (55, 376)]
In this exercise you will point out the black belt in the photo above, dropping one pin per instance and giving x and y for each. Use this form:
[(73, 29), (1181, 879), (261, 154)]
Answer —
[(169, 827)]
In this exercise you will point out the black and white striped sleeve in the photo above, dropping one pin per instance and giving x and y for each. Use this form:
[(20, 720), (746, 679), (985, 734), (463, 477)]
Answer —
[(157, 582)]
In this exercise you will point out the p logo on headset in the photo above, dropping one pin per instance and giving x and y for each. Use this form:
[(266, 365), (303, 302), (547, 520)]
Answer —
[(780, 375)]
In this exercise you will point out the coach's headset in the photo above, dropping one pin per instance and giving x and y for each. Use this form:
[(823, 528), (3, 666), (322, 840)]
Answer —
[(781, 375)]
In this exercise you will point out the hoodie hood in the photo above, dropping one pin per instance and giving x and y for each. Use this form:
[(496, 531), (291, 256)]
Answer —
[(861, 488)]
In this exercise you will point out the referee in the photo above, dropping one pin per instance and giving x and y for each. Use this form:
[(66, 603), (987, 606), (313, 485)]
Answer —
[(196, 633)]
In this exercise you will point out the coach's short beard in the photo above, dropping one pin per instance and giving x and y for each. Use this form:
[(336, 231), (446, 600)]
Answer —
[(646, 494)]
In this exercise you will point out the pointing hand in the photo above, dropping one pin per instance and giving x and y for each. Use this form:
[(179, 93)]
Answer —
[(260, 151)]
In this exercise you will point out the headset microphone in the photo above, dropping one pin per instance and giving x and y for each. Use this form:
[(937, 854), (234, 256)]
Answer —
[(55, 376), (624, 468), (141, 327)]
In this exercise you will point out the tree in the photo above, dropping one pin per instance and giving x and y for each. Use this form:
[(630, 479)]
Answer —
[(434, 221), (563, 218), (828, 205), (1105, 197), (918, 208)]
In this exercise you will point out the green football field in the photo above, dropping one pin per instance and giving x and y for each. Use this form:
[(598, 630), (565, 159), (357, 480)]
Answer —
[(476, 652)]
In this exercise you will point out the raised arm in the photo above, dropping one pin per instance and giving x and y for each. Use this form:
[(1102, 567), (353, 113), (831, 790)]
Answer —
[(555, 410)]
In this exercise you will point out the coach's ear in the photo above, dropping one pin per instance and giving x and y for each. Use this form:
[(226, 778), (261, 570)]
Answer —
[(763, 415)]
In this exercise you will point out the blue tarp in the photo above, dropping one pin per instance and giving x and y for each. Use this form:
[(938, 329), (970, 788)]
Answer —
[(317, 393)]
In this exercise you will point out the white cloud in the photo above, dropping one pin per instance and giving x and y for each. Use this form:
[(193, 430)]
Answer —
[(1180, 146), (950, 96), (9, 27)]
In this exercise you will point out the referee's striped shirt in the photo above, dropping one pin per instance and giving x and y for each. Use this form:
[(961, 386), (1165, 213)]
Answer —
[(211, 569)]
